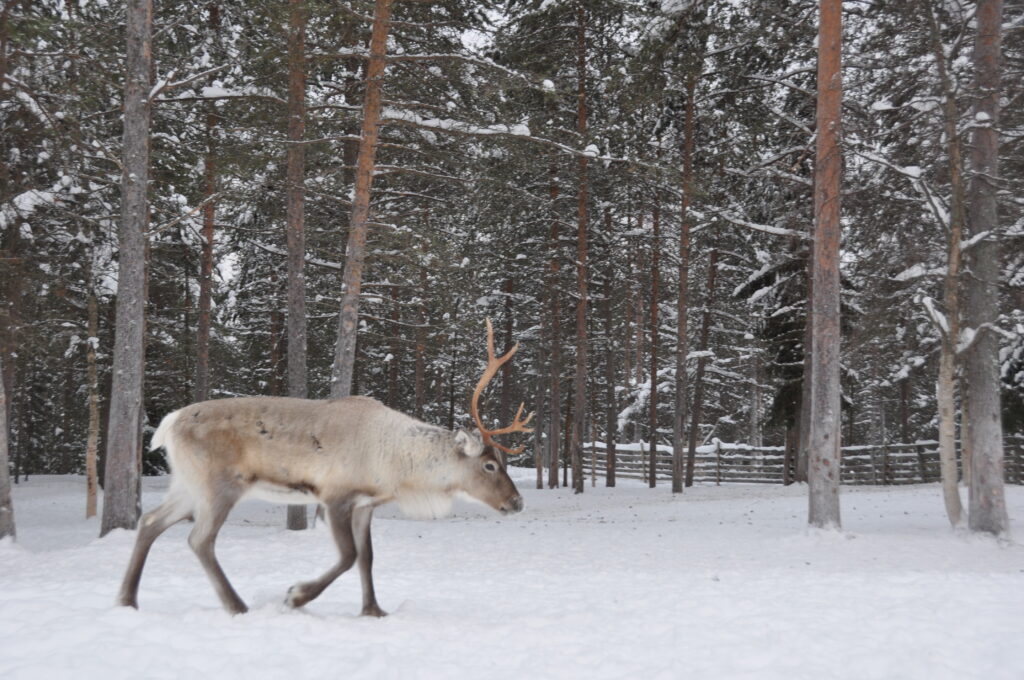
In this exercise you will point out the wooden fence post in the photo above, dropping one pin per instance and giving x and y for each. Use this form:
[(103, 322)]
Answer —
[(922, 466), (718, 462)]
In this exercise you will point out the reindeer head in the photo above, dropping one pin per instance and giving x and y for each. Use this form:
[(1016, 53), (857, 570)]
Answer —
[(487, 480)]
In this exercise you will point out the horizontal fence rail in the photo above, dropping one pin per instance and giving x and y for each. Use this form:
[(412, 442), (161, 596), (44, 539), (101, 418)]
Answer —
[(723, 463)]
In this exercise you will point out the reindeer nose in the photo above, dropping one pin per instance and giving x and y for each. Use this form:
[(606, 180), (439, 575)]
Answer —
[(514, 505)]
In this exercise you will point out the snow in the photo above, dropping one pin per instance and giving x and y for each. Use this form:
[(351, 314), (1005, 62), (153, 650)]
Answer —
[(721, 582)]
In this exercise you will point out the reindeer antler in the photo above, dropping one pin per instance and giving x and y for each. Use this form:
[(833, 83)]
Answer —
[(493, 364)]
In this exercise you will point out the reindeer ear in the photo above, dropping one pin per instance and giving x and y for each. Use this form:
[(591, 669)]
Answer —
[(468, 444)]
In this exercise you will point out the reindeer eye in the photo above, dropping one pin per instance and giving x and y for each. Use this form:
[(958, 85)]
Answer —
[(490, 467)]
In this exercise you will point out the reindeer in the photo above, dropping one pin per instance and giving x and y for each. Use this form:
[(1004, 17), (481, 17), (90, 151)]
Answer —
[(350, 455)]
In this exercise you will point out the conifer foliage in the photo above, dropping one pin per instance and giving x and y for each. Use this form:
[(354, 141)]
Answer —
[(628, 189)]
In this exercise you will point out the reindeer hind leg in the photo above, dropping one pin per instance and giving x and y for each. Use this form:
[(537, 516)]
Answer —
[(176, 507)]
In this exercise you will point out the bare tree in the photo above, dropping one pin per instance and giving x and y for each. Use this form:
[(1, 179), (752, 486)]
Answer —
[(121, 501), (580, 379), (945, 388), (698, 382), (683, 303), (6, 506), (352, 277), (555, 326), (823, 459), (652, 480), (611, 433), (986, 495), (295, 217), (92, 375)]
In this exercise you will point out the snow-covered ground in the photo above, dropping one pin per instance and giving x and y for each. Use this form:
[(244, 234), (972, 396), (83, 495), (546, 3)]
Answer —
[(722, 582)]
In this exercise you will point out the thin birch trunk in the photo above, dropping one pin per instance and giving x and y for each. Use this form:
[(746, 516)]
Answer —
[(945, 387), (352, 278)]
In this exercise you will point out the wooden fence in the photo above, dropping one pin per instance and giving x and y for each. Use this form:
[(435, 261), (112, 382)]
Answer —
[(727, 463)]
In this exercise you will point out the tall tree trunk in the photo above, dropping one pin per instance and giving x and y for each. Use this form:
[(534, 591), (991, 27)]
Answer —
[(580, 381), (655, 279), (6, 506), (555, 324), (393, 350), (92, 375), (823, 459), (567, 439), (945, 388), (539, 445), (986, 494), (754, 432), (505, 396), (276, 379), (611, 410), (295, 162), (11, 259), (683, 304), (803, 417), (698, 388), (352, 278), (420, 369), (202, 379), (295, 203), (202, 383), (121, 502)]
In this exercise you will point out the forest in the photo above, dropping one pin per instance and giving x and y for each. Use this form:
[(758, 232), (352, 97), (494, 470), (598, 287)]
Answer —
[(623, 187)]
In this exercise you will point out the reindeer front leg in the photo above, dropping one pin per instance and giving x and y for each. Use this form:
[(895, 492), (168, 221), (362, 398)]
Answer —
[(364, 548), (339, 518)]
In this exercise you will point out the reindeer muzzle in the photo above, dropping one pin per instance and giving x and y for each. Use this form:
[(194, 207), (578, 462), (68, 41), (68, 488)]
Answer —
[(512, 506)]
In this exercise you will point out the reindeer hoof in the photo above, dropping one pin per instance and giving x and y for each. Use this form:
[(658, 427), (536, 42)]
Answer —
[(373, 610), (296, 596)]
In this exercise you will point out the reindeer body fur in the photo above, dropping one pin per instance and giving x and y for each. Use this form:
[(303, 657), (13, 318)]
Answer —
[(349, 454), (299, 451)]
